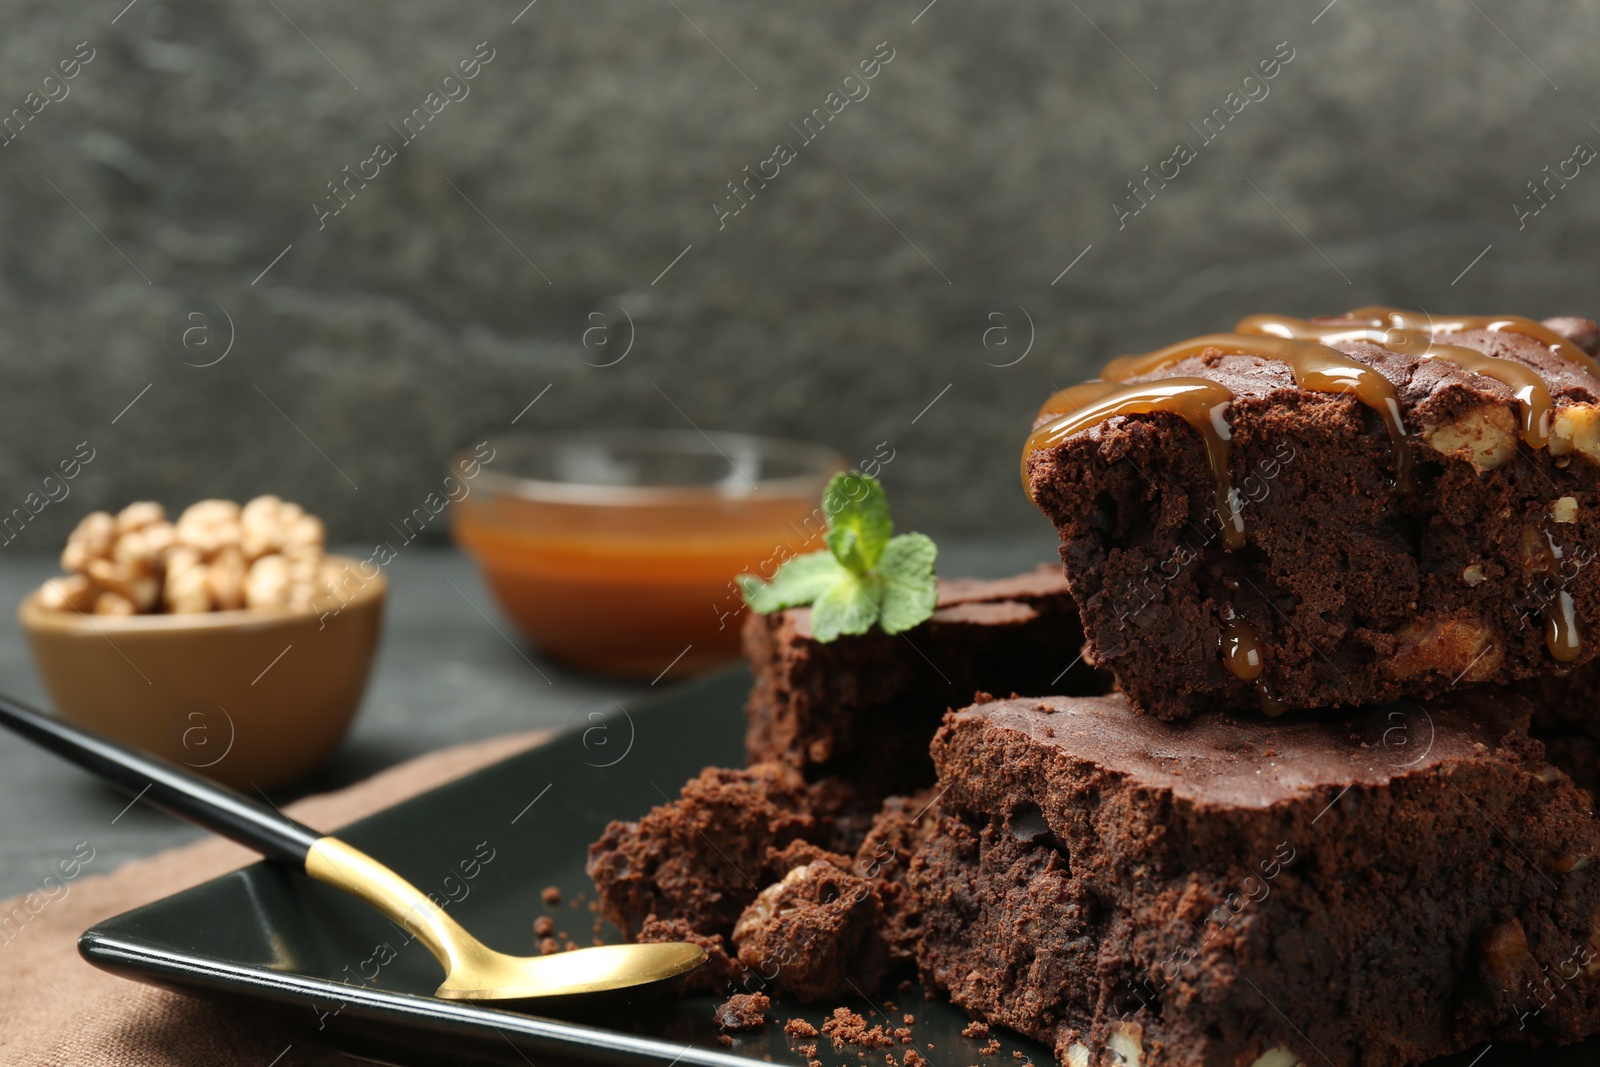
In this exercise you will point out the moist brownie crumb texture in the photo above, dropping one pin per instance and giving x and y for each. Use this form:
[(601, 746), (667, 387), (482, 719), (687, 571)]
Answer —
[(1331, 512), (1367, 895)]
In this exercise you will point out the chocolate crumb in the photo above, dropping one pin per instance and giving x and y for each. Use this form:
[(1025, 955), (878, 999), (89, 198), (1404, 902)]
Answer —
[(742, 1011), (548, 947), (913, 1058), (991, 1048), (845, 1027), (799, 1028), (813, 1063), (551, 895), (904, 1035), (976, 1029), (908, 1018), (724, 1040), (544, 926)]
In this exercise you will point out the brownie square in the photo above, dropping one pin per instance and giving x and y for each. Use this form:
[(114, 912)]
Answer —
[(1372, 559), (1381, 888), (864, 708)]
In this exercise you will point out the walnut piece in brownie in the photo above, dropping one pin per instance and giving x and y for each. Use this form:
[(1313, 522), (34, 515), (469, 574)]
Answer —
[(817, 933), (1331, 512), (1133, 890), (864, 708)]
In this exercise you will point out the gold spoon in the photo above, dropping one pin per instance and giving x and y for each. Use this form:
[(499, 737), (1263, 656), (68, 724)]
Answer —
[(472, 970)]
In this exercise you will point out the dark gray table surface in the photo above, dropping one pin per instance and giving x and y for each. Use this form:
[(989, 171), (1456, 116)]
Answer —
[(443, 676)]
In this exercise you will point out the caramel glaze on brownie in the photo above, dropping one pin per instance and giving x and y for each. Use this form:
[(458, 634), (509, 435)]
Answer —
[(1269, 532), (864, 708), (1213, 892)]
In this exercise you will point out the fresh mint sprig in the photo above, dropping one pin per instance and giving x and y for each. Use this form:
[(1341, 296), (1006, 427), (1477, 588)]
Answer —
[(866, 575)]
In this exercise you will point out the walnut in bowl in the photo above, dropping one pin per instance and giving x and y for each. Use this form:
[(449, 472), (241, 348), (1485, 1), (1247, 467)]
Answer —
[(218, 641)]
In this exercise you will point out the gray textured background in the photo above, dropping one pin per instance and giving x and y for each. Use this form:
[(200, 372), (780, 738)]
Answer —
[(1384, 160)]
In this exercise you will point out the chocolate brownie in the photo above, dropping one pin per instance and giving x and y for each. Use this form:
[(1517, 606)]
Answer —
[(864, 708), (705, 855), (1331, 512), (1395, 885)]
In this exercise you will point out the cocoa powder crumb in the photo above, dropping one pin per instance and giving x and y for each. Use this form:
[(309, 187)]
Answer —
[(799, 1028), (551, 895), (976, 1029), (544, 926)]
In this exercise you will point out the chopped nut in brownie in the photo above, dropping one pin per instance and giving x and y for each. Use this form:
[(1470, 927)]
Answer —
[(818, 930), (742, 1011)]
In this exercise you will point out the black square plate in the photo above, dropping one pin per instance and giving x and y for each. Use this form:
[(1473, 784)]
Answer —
[(272, 936)]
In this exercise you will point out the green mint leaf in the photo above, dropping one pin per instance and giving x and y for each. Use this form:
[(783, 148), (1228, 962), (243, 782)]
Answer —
[(798, 582), (859, 525), (850, 606), (866, 576), (910, 590)]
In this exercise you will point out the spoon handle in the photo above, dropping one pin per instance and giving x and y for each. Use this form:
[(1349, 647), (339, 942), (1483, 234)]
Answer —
[(165, 786)]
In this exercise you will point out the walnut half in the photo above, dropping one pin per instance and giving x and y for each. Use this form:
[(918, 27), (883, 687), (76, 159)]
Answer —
[(1485, 437), (1460, 647)]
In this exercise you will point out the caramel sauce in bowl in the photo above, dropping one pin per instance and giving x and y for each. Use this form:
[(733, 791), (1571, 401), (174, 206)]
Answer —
[(616, 552)]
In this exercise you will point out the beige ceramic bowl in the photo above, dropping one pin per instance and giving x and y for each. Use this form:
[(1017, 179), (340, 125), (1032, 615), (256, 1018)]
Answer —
[(250, 698)]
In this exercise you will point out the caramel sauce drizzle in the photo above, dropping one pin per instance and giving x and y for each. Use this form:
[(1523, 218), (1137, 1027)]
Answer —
[(1198, 401), (1306, 347), (1533, 396), (1241, 651), (1562, 635), (1316, 367), (1538, 331)]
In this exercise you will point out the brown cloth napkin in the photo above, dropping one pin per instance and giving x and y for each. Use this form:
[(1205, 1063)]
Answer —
[(57, 1011)]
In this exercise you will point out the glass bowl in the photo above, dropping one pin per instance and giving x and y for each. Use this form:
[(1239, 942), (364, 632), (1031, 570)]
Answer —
[(615, 552)]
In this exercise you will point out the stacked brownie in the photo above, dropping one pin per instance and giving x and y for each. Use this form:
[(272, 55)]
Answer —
[(1381, 520), (1336, 809)]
